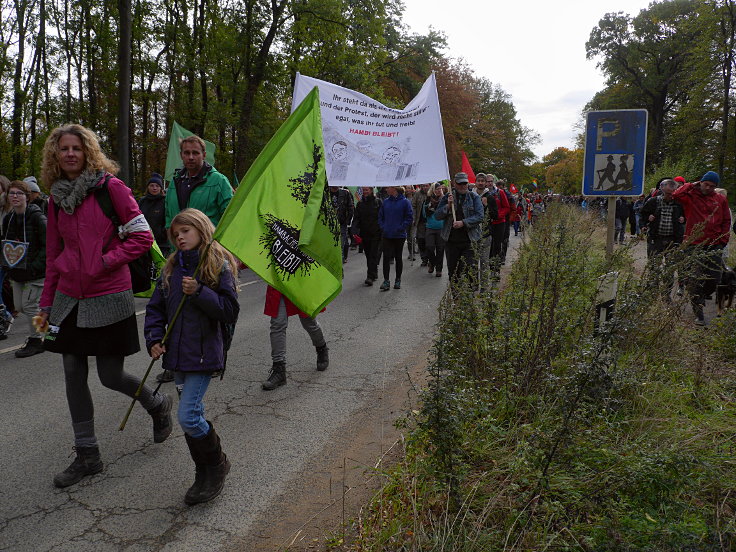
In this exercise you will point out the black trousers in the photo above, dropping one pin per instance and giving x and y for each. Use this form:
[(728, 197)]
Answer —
[(371, 249), (497, 234), (460, 260), (392, 249), (705, 272)]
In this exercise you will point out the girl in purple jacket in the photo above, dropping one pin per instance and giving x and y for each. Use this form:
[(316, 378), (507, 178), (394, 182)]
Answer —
[(194, 348)]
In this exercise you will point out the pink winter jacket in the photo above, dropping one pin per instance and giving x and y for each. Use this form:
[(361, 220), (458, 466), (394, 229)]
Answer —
[(84, 255)]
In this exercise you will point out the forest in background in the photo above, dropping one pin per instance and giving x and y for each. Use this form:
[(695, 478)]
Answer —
[(225, 70)]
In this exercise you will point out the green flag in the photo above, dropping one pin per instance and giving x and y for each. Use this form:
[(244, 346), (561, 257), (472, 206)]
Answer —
[(281, 221), (173, 158)]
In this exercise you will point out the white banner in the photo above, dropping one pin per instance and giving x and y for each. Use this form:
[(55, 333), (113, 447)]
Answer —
[(369, 144)]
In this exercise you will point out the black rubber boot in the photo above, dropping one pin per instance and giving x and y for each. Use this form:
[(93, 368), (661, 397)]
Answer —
[(276, 378), (323, 358), (162, 424), (212, 466), (86, 463)]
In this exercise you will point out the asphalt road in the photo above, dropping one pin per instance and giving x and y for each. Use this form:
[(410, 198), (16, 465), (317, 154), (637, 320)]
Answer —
[(136, 503)]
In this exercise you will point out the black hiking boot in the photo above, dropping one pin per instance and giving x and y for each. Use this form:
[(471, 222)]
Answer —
[(276, 378), (323, 358), (165, 376), (86, 463), (33, 346), (162, 424)]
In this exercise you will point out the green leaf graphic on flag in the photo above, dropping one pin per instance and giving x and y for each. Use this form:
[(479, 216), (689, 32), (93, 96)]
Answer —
[(281, 222), (173, 157)]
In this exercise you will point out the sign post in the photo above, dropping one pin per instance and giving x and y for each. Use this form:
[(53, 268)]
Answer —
[(615, 155)]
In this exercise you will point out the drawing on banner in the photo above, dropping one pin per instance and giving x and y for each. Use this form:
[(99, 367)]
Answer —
[(389, 164), (370, 144), (614, 174)]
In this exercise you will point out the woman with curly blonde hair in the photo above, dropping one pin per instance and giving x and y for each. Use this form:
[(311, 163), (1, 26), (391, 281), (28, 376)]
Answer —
[(87, 300)]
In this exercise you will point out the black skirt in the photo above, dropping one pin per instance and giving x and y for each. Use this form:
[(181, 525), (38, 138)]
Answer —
[(118, 339)]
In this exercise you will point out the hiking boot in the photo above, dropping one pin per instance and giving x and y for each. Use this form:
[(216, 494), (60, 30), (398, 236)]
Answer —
[(165, 376), (86, 463), (699, 317), (385, 286), (33, 346), (323, 358), (276, 378), (438, 274), (397, 284), (430, 268), (368, 282), (162, 424), (211, 464)]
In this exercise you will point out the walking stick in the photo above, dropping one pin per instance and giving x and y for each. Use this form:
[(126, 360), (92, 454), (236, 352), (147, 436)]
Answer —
[(452, 206), (163, 341)]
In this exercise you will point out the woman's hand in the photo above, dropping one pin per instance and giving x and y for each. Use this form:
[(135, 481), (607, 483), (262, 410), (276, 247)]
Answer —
[(157, 350), (189, 285), (41, 322)]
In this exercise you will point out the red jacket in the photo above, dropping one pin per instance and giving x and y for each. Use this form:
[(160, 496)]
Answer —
[(84, 255), (709, 209), (273, 298), (502, 202)]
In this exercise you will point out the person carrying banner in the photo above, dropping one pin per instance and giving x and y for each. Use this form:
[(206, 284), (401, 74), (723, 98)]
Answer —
[(279, 308), (394, 218), (87, 301), (462, 212), (194, 349), (365, 225), (24, 241), (197, 185)]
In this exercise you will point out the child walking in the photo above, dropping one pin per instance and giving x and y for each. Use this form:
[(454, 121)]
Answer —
[(194, 349)]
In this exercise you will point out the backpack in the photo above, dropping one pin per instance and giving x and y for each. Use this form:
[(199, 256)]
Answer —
[(143, 272)]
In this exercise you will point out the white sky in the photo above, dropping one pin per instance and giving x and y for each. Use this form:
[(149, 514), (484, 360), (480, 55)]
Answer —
[(533, 49)]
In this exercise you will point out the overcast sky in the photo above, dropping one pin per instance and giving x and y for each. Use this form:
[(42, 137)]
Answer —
[(534, 49)]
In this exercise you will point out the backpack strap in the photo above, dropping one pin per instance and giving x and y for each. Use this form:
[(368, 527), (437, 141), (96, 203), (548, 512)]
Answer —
[(102, 195)]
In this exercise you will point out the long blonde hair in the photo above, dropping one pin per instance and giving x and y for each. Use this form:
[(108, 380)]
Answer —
[(217, 256), (95, 159)]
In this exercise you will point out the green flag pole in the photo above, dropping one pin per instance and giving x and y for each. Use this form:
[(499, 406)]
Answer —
[(163, 341)]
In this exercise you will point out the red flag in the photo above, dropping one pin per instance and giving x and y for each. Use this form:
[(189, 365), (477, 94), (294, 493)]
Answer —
[(467, 169), (513, 189)]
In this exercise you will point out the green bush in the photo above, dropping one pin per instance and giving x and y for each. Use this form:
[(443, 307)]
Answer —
[(538, 431)]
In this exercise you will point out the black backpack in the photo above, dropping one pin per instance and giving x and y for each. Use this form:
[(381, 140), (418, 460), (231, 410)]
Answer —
[(143, 269)]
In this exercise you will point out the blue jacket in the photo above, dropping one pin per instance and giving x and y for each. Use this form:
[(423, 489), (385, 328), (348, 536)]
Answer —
[(473, 213), (195, 342), (395, 216)]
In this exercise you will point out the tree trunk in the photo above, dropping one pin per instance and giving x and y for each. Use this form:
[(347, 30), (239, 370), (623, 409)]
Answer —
[(124, 82), (18, 92)]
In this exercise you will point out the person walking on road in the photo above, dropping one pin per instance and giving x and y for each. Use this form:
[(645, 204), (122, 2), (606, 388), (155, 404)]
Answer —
[(394, 217), (194, 350), (87, 300), (462, 212), (708, 225), (279, 308), (24, 257), (365, 226), (435, 245)]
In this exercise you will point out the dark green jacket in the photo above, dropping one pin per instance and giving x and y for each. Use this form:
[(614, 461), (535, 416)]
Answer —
[(211, 194)]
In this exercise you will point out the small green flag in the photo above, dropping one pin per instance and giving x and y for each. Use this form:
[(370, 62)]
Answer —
[(281, 221), (173, 157)]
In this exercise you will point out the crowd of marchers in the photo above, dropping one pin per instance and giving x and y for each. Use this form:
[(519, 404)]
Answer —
[(65, 268)]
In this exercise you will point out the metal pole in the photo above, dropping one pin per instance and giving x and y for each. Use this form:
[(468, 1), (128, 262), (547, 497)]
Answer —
[(611, 233)]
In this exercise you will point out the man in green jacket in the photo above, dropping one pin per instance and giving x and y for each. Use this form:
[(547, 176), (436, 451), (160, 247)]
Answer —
[(197, 184)]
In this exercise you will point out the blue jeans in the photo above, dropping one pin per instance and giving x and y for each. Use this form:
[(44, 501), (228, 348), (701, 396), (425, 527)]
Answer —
[(192, 386)]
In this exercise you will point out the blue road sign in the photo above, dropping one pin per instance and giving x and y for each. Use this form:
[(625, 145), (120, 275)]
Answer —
[(615, 152)]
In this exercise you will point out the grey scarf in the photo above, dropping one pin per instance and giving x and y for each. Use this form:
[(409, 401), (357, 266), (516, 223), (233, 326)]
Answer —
[(68, 194)]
